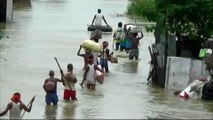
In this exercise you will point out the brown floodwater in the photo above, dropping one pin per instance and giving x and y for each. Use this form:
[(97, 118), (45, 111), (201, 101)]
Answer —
[(56, 28)]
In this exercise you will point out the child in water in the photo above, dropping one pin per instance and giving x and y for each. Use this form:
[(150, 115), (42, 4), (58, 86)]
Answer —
[(105, 56)]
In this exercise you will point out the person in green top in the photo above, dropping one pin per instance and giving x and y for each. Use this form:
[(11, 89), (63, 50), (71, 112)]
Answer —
[(118, 36)]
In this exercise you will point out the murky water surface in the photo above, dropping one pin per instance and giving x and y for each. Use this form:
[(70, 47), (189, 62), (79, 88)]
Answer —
[(56, 28)]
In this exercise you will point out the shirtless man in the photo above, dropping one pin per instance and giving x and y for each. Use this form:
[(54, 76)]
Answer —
[(51, 96), (134, 51), (70, 81)]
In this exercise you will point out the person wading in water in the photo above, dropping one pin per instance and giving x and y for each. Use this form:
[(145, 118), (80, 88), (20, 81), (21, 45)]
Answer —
[(15, 106), (89, 74), (98, 19)]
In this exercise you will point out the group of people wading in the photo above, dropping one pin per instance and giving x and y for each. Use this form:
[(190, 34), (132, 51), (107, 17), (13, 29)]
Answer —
[(125, 40)]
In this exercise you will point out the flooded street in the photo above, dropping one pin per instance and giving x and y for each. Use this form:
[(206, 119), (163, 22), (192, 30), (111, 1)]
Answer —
[(56, 28)]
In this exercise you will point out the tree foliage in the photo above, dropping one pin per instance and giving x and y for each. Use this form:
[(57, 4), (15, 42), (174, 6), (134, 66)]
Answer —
[(191, 17), (1, 35)]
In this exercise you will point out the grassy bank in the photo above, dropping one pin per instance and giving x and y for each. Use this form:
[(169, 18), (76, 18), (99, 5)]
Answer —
[(139, 8)]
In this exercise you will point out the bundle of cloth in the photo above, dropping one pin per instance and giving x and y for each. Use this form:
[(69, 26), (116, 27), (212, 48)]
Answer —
[(91, 45), (200, 88)]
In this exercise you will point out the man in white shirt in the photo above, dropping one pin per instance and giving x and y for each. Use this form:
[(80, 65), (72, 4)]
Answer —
[(98, 19), (16, 106)]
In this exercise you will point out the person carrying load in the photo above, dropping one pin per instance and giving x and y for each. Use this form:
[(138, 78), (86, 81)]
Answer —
[(118, 36)]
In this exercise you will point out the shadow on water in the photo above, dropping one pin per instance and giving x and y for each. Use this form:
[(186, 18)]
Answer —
[(50, 112), (208, 105), (94, 98), (2, 26), (158, 95)]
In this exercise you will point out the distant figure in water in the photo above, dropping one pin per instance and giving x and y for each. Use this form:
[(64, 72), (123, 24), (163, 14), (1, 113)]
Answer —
[(135, 42), (51, 89), (15, 106), (98, 19), (118, 36)]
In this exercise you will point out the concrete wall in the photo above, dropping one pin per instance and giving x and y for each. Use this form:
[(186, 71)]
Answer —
[(9, 13), (180, 72), (161, 48)]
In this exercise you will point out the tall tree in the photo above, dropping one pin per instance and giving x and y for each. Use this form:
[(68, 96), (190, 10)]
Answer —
[(191, 17)]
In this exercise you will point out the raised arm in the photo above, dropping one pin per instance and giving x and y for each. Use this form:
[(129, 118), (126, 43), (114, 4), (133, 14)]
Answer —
[(78, 53)]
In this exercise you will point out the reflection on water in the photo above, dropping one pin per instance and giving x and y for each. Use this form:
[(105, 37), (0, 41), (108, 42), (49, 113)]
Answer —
[(130, 66), (208, 105), (91, 108), (50, 112), (158, 96), (21, 4), (68, 111), (127, 66)]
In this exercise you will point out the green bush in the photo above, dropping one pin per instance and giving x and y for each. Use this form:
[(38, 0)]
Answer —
[(191, 17)]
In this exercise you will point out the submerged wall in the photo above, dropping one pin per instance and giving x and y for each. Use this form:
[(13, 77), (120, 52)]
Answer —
[(180, 72)]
